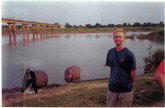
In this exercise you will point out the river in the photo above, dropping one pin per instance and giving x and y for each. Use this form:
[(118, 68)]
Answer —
[(54, 54)]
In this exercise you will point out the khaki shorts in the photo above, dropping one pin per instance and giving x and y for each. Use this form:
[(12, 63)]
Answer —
[(119, 99)]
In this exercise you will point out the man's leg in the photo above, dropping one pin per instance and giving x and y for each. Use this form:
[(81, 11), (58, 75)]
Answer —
[(111, 99), (34, 85), (27, 83), (125, 99)]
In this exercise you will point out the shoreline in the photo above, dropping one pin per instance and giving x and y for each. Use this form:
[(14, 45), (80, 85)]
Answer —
[(17, 89), (83, 94)]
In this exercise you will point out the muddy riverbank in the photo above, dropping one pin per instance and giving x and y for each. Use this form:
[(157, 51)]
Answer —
[(146, 93)]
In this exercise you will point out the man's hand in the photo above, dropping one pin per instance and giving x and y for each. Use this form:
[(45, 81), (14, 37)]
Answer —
[(133, 75)]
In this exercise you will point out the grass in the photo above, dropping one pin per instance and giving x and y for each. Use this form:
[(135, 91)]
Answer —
[(89, 94), (155, 36), (147, 91), (82, 94), (159, 32)]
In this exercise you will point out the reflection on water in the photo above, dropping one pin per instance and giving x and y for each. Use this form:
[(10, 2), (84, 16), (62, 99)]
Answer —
[(26, 38), (35, 37), (53, 53), (12, 39)]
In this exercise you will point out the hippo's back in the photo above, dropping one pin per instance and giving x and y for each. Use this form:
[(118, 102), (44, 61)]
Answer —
[(41, 77)]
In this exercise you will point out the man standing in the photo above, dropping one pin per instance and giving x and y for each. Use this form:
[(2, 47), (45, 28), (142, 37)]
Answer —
[(30, 78), (123, 72), (160, 74)]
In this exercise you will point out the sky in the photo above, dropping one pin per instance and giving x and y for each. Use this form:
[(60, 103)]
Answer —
[(84, 12)]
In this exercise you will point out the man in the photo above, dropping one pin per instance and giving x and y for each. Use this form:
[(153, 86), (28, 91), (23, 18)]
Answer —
[(30, 78), (159, 75), (123, 72)]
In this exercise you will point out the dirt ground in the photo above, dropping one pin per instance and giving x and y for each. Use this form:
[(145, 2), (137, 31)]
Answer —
[(15, 96)]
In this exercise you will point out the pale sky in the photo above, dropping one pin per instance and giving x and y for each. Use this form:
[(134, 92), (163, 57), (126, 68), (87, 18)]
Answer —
[(84, 12)]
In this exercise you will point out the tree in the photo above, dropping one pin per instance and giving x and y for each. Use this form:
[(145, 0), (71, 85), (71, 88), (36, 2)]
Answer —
[(67, 25), (129, 25), (80, 26), (97, 25), (136, 24), (145, 24), (125, 24), (89, 26), (111, 25), (161, 24), (149, 24), (74, 26)]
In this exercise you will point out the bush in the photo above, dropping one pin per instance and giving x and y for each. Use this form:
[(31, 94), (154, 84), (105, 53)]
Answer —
[(153, 60), (158, 32)]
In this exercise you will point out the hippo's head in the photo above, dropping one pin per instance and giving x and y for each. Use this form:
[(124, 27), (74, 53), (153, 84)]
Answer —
[(68, 76)]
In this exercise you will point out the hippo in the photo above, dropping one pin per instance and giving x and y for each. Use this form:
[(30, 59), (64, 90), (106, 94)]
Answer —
[(72, 74), (41, 78)]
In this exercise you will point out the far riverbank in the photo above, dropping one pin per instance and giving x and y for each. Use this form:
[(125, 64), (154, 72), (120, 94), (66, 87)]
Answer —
[(87, 30)]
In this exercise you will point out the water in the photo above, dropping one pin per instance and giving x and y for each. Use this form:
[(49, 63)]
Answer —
[(54, 55)]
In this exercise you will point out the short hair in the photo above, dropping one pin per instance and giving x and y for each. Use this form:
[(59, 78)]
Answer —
[(120, 31)]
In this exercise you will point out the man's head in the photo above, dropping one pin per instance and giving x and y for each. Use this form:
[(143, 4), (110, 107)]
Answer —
[(28, 71), (119, 37)]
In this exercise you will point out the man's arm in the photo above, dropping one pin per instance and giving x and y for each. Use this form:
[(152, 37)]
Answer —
[(159, 77), (107, 63), (133, 75)]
